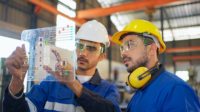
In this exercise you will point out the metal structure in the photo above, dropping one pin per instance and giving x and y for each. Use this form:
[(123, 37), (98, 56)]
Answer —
[(175, 19), (178, 20)]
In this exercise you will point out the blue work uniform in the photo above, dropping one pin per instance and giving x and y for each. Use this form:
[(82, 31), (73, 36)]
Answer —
[(165, 93), (51, 96)]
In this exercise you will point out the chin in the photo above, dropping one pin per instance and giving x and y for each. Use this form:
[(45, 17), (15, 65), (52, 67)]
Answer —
[(131, 69), (81, 68), (128, 69)]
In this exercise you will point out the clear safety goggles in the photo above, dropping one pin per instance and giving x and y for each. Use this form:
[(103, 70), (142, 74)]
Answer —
[(80, 47), (128, 45), (131, 44)]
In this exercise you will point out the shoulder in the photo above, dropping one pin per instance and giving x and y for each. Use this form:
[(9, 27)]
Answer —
[(107, 83), (172, 84), (173, 92), (170, 79), (166, 83), (108, 86)]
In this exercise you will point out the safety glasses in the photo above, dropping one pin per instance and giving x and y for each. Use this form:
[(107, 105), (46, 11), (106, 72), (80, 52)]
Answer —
[(131, 44), (80, 47), (128, 45)]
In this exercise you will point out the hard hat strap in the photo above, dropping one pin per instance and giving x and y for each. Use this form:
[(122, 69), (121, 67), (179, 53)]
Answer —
[(147, 35)]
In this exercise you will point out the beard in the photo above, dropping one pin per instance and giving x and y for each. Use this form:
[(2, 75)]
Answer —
[(142, 61)]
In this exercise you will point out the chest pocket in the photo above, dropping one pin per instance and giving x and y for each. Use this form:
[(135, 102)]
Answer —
[(101, 90), (62, 93)]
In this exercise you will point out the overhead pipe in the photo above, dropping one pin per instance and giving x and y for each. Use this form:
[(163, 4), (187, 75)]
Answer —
[(183, 58), (136, 5), (183, 49), (37, 9), (53, 10)]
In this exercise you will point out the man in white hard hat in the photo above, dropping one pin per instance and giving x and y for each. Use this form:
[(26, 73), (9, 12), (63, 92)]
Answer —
[(87, 93)]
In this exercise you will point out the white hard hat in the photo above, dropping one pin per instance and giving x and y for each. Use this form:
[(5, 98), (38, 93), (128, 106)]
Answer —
[(93, 31)]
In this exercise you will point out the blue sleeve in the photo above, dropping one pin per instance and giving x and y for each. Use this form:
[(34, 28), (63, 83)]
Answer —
[(181, 99), (92, 102), (114, 97), (14, 105), (38, 95)]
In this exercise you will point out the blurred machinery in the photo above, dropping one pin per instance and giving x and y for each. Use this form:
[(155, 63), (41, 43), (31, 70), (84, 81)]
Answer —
[(125, 94)]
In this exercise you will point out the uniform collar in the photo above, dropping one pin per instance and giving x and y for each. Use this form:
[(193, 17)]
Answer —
[(96, 79), (155, 75)]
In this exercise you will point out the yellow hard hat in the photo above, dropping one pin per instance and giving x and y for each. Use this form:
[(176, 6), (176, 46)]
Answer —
[(141, 26)]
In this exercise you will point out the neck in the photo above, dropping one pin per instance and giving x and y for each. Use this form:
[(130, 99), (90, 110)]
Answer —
[(89, 72), (152, 63)]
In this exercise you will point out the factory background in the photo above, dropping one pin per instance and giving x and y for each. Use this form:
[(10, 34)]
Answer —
[(178, 20)]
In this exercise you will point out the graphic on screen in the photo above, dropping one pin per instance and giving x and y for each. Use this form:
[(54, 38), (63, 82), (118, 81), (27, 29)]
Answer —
[(53, 47)]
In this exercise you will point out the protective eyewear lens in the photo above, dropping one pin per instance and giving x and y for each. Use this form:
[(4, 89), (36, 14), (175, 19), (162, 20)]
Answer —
[(92, 49), (129, 45)]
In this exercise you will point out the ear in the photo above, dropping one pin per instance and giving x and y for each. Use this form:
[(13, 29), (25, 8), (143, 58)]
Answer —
[(152, 49), (102, 56)]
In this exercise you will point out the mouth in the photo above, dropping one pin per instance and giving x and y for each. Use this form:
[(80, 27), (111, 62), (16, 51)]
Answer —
[(125, 60), (82, 60)]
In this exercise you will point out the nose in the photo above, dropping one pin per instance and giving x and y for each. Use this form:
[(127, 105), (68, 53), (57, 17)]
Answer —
[(83, 52), (123, 53)]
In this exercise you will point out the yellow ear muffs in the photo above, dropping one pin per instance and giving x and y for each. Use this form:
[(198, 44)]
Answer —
[(139, 77)]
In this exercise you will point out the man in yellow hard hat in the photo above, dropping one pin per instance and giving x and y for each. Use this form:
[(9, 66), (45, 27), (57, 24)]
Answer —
[(157, 90), (87, 93)]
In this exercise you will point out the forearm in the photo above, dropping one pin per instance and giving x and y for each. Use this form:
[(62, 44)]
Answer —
[(15, 86), (92, 102), (11, 104), (76, 87)]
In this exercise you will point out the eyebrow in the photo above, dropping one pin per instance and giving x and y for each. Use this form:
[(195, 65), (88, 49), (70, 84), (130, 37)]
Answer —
[(126, 34), (90, 44)]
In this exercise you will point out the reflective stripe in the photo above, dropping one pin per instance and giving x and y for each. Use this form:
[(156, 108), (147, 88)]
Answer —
[(31, 106), (79, 109), (62, 107)]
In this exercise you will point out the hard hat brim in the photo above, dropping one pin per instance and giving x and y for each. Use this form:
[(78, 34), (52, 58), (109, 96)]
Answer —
[(115, 38)]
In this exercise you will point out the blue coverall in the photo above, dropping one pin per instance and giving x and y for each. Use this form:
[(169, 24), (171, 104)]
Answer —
[(165, 93), (98, 95)]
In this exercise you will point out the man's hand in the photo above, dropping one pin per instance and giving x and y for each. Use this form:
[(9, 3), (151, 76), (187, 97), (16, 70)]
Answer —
[(64, 74), (63, 70), (17, 66)]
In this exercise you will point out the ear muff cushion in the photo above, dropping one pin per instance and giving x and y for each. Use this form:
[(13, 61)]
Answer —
[(136, 79)]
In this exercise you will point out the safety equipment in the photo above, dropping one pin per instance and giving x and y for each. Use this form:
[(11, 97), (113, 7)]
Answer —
[(141, 27), (90, 48), (141, 76), (93, 31)]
